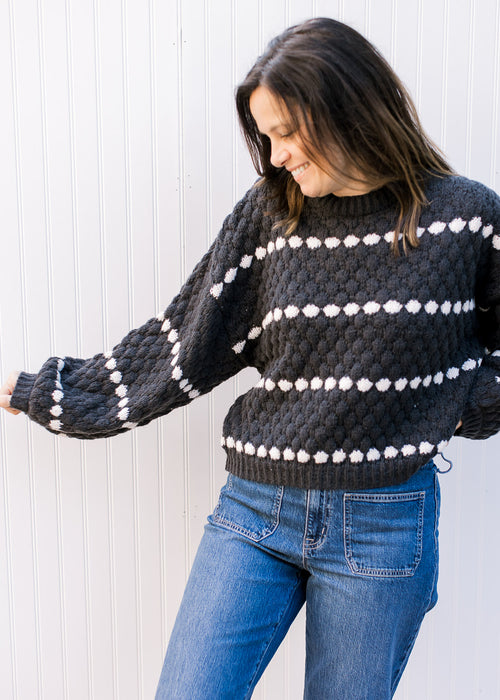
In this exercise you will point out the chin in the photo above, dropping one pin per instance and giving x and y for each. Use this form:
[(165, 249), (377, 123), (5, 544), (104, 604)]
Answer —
[(309, 191)]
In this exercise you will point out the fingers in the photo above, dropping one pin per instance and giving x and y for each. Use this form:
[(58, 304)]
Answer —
[(6, 392), (5, 403)]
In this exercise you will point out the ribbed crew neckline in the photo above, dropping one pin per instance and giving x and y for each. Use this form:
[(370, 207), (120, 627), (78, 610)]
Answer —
[(353, 206)]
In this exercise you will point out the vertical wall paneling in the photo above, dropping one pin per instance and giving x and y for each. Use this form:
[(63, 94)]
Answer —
[(120, 158), (380, 18)]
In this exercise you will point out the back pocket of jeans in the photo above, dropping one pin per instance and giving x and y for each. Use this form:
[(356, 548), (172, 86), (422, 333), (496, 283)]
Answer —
[(383, 532), (247, 507)]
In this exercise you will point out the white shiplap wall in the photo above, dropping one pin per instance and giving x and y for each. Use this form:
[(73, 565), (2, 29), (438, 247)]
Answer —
[(119, 158)]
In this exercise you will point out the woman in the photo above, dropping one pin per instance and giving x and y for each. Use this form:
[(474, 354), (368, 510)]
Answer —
[(361, 278)]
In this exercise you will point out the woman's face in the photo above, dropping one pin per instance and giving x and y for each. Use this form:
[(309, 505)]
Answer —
[(287, 151)]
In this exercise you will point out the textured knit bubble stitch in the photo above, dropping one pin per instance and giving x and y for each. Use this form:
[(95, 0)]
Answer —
[(367, 360)]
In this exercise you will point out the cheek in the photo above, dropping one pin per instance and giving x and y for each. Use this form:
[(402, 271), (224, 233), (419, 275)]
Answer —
[(298, 151), (325, 178)]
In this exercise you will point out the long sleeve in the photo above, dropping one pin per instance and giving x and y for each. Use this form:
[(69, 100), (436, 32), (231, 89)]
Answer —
[(167, 362), (481, 417)]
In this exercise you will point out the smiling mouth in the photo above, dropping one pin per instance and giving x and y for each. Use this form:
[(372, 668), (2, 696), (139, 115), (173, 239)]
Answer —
[(298, 171)]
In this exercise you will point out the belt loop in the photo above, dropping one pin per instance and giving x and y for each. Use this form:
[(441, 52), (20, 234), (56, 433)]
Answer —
[(445, 471)]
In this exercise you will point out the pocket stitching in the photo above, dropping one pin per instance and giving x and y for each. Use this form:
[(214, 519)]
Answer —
[(254, 536), (385, 498)]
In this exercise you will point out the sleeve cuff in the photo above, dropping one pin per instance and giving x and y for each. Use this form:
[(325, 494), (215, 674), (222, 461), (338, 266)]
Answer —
[(22, 391)]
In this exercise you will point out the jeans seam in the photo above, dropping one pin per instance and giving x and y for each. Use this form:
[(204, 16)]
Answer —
[(271, 638), (425, 608), (311, 544), (306, 526)]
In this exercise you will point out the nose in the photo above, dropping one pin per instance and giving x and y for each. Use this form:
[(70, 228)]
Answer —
[(279, 155)]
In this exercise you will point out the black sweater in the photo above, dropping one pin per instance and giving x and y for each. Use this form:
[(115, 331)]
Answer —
[(368, 360)]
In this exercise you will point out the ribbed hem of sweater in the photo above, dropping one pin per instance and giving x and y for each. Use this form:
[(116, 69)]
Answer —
[(320, 476), (21, 394)]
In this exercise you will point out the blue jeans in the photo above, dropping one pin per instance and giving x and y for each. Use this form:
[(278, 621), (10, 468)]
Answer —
[(364, 562)]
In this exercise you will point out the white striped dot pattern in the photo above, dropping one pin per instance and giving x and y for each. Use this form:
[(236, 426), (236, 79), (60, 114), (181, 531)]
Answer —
[(364, 384), (370, 239), (57, 396), (121, 389), (337, 457), (391, 307), (177, 373)]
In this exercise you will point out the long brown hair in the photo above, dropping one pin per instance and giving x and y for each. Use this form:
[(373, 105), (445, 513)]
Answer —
[(340, 94)]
